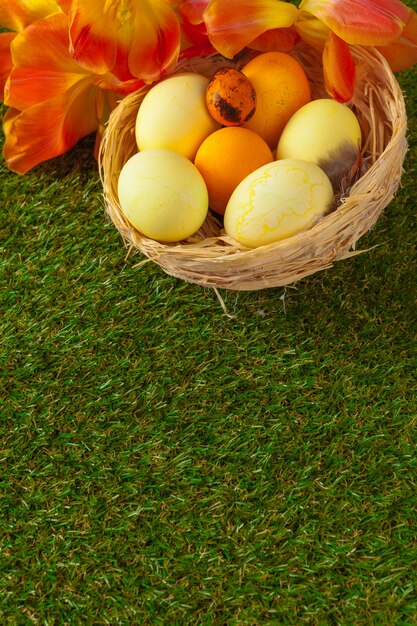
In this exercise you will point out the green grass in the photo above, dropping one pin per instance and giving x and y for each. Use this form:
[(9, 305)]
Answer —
[(164, 463)]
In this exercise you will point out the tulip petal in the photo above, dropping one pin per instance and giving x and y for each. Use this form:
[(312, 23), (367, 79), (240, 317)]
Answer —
[(280, 39), (17, 14), (365, 22), (192, 10), (109, 82), (234, 24), (312, 30), (64, 5), (195, 41), (49, 128), (403, 53), (139, 39), (338, 69), (92, 41), (155, 47), (5, 59), (43, 67)]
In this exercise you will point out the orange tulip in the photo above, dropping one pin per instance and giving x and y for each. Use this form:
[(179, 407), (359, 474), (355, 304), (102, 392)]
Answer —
[(234, 24), (195, 40), (333, 25), (192, 10), (364, 22), (329, 25), (402, 54), (15, 15), (62, 73), (338, 68), (280, 39), (130, 38), (197, 14), (53, 101), (5, 59)]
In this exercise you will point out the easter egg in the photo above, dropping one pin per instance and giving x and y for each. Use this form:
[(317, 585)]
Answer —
[(325, 132), (281, 87), (174, 115), (230, 96), (277, 201), (163, 195), (225, 158)]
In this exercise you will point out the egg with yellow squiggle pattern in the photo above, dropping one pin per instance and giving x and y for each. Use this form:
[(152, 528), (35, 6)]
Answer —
[(277, 201)]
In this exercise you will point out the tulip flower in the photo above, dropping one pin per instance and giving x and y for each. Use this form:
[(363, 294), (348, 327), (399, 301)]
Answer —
[(329, 25), (235, 24), (63, 74), (5, 59), (334, 25), (203, 18), (15, 15), (195, 40), (138, 39), (402, 54), (53, 100)]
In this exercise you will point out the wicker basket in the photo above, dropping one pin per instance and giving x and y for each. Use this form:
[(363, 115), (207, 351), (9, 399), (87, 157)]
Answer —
[(210, 257)]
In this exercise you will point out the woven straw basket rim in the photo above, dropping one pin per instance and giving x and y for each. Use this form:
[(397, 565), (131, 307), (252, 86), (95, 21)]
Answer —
[(210, 257)]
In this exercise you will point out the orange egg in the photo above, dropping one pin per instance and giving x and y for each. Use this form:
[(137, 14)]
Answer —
[(282, 87), (225, 158), (230, 96)]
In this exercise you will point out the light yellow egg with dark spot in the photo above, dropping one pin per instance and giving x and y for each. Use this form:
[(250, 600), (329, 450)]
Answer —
[(324, 132), (277, 201)]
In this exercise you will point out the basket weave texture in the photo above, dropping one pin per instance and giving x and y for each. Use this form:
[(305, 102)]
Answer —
[(210, 257)]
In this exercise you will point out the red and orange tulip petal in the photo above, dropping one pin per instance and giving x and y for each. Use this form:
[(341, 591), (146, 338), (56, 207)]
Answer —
[(93, 34), (193, 28), (5, 59), (43, 67), (65, 5), (139, 40), (192, 10), (312, 30), (17, 14), (232, 25), (109, 83), (281, 39), (365, 22), (403, 53), (338, 69), (195, 41), (156, 42), (50, 128)]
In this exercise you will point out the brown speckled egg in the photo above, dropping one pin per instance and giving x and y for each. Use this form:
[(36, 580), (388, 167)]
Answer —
[(230, 96)]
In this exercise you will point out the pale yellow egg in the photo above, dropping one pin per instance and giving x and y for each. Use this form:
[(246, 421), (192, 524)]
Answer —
[(163, 195), (277, 201), (174, 115), (324, 132)]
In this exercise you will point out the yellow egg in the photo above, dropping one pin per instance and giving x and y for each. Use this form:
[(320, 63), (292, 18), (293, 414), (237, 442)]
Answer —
[(277, 201), (324, 132), (163, 195), (174, 115)]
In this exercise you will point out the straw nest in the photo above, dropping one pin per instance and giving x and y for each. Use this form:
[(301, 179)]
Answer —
[(210, 257)]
